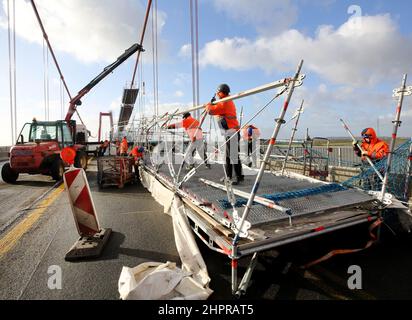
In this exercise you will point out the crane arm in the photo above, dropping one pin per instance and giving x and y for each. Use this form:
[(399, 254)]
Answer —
[(106, 71)]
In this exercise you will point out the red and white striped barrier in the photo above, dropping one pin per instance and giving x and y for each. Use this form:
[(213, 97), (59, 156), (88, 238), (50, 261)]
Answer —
[(81, 201)]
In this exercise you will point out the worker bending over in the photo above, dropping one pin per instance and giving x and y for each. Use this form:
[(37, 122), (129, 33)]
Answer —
[(227, 120), (137, 153), (194, 131)]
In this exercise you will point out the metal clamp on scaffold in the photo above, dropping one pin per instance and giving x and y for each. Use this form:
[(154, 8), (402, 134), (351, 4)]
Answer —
[(92, 237), (398, 91)]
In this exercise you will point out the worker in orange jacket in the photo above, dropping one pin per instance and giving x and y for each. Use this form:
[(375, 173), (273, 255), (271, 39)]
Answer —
[(124, 147), (137, 153), (227, 120), (372, 147), (375, 149), (195, 133), (250, 134)]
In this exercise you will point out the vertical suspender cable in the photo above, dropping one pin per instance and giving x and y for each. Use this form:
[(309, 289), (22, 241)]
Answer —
[(14, 69), (192, 47), (44, 82), (153, 62), (12, 130), (48, 84), (157, 62), (197, 53), (46, 38)]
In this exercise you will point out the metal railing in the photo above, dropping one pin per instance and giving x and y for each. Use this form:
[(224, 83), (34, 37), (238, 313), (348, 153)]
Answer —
[(342, 156)]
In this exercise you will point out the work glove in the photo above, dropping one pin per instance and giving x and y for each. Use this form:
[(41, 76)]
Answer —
[(364, 153), (213, 99)]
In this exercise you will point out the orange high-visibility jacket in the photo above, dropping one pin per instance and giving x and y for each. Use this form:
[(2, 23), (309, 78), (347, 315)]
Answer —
[(227, 110), (135, 153), (191, 126), (376, 149), (124, 146)]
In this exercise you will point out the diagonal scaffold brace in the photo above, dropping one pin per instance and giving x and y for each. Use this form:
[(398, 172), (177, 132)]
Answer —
[(279, 122), (292, 136)]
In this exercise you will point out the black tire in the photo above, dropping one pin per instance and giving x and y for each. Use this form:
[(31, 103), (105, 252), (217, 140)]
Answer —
[(57, 170), (81, 160), (8, 174)]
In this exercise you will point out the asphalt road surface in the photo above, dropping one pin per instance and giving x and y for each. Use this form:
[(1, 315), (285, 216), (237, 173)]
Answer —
[(14, 199), (40, 237)]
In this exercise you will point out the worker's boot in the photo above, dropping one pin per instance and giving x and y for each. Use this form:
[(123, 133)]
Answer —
[(235, 181), (207, 165)]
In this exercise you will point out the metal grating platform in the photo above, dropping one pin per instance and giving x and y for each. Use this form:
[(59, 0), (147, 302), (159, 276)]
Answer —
[(270, 184)]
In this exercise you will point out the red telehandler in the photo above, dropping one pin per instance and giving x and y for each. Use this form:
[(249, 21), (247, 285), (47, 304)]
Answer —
[(37, 149)]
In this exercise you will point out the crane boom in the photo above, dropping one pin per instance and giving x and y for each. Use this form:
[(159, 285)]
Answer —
[(76, 100)]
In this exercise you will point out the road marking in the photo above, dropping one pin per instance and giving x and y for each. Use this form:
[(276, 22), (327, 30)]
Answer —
[(14, 235)]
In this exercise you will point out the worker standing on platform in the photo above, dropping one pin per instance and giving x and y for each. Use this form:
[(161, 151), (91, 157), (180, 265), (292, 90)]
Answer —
[(117, 144), (227, 119), (124, 147), (250, 134), (375, 149), (103, 147), (194, 131)]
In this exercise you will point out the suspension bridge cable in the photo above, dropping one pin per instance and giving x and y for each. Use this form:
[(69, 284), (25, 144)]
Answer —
[(157, 60), (50, 47), (149, 4), (44, 81), (10, 74), (197, 52), (14, 70), (192, 47)]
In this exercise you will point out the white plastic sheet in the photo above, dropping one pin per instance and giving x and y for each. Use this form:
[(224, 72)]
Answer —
[(165, 281)]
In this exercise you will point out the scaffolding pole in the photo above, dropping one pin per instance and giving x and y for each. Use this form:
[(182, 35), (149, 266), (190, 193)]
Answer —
[(255, 188), (292, 136), (401, 92)]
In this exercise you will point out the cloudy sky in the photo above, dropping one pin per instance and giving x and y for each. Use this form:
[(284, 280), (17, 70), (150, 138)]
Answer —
[(355, 54)]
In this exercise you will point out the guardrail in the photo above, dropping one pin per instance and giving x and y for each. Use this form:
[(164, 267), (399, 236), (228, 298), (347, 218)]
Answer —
[(343, 156)]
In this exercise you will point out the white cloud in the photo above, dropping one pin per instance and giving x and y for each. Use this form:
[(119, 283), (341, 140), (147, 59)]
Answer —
[(93, 30), (325, 105), (353, 54), (268, 17), (179, 93), (185, 51), (182, 79)]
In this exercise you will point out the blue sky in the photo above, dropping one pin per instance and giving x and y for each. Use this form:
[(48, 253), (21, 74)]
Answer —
[(351, 64)]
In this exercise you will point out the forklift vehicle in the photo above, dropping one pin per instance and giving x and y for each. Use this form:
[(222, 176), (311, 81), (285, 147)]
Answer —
[(38, 147), (37, 150)]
